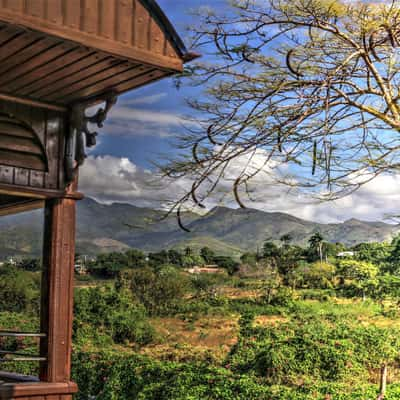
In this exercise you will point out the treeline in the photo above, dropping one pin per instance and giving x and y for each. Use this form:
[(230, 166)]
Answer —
[(109, 265)]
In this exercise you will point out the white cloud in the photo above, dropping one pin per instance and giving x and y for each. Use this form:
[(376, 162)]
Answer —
[(146, 116), (127, 121), (111, 179), (150, 99)]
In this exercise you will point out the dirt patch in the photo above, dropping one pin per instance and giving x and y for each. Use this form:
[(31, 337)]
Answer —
[(205, 338), (269, 320)]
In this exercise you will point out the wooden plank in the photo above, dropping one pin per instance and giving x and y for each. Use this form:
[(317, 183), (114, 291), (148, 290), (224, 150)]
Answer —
[(38, 124), (36, 8), (157, 38), (51, 70), (34, 63), (8, 33), (140, 80), (33, 103), (90, 19), (124, 20), (54, 11), (109, 83), (53, 131), (25, 54), (107, 19), (15, 45), (8, 128), (100, 78), (169, 51), (142, 26), (36, 389), (72, 13), (18, 144), (100, 43), (71, 75), (19, 160), (53, 397), (15, 5)]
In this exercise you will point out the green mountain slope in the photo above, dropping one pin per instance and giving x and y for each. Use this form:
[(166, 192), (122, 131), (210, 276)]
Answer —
[(115, 227)]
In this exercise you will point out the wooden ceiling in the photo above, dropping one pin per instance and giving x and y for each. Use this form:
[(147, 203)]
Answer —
[(64, 51), (15, 204)]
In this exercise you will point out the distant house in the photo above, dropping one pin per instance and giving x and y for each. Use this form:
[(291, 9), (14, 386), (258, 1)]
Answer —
[(345, 254), (206, 269), (81, 264)]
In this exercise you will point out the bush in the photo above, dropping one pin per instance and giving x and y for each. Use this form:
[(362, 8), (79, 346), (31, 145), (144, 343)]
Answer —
[(115, 313), (312, 349), (161, 292), (19, 290)]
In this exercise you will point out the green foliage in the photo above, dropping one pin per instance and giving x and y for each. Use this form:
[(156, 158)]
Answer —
[(160, 291), (312, 349), (19, 290), (379, 254), (249, 259), (114, 313), (270, 250), (30, 264), (318, 275), (207, 254), (227, 263)]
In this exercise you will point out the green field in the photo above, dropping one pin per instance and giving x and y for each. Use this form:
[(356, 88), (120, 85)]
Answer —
[(268, 329)]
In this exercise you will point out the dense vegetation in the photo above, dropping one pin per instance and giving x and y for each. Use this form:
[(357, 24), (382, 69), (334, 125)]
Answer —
[(284, 323)]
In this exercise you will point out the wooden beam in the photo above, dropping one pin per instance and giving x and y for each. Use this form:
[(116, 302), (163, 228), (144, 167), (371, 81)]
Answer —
[(22, 206), (33, 103), (41, 390), (24, 191), (57, 289)]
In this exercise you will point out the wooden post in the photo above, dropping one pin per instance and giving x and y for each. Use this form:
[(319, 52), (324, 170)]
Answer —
[(57, 289)]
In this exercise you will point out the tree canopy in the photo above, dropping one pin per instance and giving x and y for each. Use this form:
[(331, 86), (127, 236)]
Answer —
[(303, 91)]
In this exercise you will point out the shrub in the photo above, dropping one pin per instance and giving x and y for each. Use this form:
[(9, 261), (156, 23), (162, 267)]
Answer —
[(19, 290), (115, 313)]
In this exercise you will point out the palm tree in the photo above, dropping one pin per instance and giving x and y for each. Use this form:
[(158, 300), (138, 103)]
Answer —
[(316, 242)]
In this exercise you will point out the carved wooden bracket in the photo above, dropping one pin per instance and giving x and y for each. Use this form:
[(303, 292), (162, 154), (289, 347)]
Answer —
[(79, 135)]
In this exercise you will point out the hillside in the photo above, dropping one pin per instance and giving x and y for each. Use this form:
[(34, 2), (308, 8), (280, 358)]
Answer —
[(115, 227)]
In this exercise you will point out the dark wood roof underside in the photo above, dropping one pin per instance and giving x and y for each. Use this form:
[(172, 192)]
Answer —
[(66, 51), (39, 67)]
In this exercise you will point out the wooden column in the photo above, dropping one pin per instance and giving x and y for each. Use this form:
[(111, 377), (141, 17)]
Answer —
[(57, 289)]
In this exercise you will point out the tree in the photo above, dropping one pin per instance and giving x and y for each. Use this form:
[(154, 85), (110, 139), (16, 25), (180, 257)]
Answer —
[(286, 238), (270, 251), (309, 84), (159, 291), (379, 254), (317, 275), (207, 254), (394, 256), (30, 264), (135, 258), (361, 274), (249, 259), (316, 243)]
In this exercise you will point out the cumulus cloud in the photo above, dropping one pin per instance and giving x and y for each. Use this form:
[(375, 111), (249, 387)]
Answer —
[(112, 179)]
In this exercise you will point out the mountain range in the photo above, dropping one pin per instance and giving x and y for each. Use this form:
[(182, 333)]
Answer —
[(117, 227)]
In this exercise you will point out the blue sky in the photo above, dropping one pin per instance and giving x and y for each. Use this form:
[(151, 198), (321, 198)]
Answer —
[(144, 124)]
